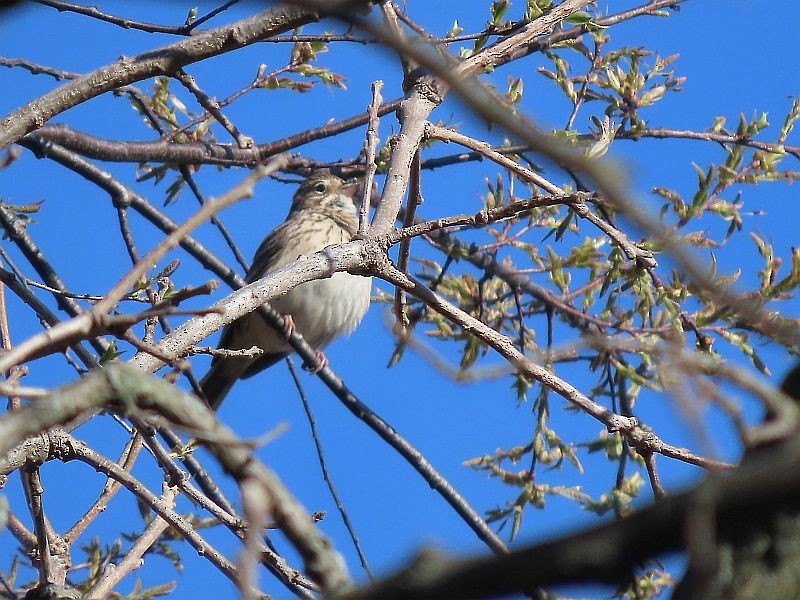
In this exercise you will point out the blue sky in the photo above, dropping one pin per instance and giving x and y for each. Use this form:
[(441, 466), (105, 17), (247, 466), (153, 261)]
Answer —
[(736, 58)]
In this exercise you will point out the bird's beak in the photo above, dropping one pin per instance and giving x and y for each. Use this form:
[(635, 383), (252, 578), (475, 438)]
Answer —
[(355, 189)]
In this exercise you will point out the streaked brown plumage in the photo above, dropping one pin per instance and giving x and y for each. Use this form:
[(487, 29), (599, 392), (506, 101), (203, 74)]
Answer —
[(322, 213)]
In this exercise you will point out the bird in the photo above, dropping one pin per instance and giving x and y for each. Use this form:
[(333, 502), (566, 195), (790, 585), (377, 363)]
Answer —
[(323, 212)]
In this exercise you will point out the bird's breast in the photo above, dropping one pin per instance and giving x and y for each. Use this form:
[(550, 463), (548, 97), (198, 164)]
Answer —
[(326, 308)]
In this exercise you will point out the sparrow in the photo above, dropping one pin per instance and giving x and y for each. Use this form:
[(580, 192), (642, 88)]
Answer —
[(323, 213)]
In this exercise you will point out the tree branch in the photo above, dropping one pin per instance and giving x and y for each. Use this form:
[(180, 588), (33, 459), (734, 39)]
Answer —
[(743, 500), (161, 61), (130, 391)]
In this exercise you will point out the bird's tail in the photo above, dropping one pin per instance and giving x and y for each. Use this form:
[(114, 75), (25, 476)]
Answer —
[(218, 382)]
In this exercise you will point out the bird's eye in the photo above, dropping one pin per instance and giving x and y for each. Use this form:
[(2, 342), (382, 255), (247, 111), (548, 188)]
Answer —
[(320, 187)]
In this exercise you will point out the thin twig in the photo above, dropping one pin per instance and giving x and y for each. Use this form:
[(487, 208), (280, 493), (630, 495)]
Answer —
[(186, 173), (213, 108), (193, 153), (132, 560), (312, 423), (260, 79), (125, 23), (486, 216), (598, 44), (652, 472), (215, 502), (84, 454), (43, 313), (188, 177), (33, 495), (127, 234), (23, 535), (391, 19), (414, 200), (20, 236), (370, 148), (631, 250), (640, 437), (111, 487)]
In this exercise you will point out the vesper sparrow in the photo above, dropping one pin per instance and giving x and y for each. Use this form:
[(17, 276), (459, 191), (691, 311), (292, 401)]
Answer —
[(323, 213)]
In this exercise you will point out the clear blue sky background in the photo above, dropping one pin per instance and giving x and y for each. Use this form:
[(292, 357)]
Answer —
[(737, 57)]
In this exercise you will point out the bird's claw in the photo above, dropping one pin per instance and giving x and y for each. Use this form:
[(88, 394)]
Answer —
[(321, 361), (288, 327)]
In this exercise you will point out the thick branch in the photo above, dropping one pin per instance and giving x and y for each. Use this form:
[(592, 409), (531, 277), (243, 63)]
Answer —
[(129, 391), (742, 501), (195, 153), (161, 61), (86, 323), (427, 93)]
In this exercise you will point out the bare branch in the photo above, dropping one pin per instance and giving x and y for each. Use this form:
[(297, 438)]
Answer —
[(312, 423), (79, 451), (370, 149), (162, 61), (133, 558), (414, 200), (125, 23), (111, 487), (192, 153)]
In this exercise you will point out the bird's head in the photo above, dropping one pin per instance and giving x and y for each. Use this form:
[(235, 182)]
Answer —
[(325, 192)]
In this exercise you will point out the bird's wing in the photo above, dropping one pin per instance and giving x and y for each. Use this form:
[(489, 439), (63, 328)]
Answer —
[(270, 255)]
